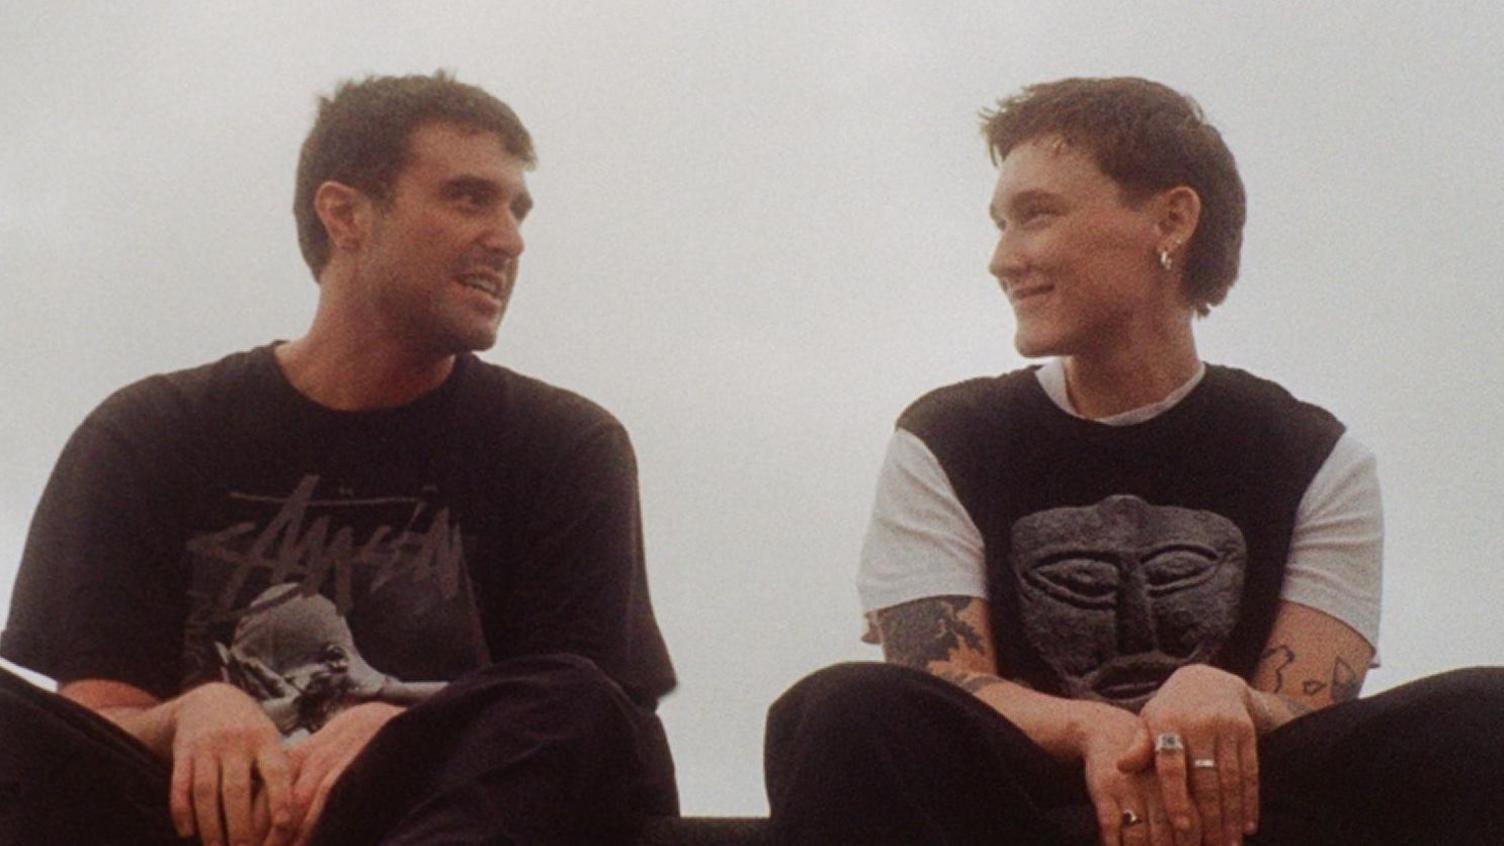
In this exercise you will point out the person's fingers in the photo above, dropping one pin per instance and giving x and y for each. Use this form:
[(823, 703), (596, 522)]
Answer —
[(1248, 754), (276, 788), (205, 793), (1109, 822), (1230, 774), (1206, 791), (316, 810), (1170, 766), (1140, 752), (179, 802), (235, 799)]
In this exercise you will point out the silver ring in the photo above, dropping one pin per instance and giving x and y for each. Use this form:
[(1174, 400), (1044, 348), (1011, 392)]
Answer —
[(1130, 818), (1168, 742), (1204, 764)]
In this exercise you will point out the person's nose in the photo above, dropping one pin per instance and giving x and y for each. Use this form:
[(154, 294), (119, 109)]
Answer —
[(504, 235), (1008, 263)]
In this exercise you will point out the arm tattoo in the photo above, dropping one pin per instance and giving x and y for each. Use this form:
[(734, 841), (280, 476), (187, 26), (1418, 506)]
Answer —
[(1286, 656), (918, 633), (1345, 682)]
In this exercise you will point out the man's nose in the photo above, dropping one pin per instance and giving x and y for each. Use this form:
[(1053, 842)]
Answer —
[(505, 234)]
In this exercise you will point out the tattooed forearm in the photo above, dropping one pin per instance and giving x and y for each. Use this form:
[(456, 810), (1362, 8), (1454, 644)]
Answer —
[(1342, 685), (1345, 682), (1281, 656), (917, 633)]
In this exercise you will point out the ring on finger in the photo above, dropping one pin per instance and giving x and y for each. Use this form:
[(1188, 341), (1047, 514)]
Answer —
[(1130, 818), (1204, 763), (1168, 742)]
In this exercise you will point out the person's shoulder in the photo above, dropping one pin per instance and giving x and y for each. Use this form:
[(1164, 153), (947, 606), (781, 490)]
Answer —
[(504, 391), (185, 392), (980, 400), (1266, 400)]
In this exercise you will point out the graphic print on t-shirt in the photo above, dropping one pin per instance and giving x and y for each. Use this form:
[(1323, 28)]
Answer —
[(320, 599), (1116, 596)]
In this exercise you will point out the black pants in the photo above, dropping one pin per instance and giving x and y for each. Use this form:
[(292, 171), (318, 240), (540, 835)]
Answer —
[(876, 754), (543, 749)]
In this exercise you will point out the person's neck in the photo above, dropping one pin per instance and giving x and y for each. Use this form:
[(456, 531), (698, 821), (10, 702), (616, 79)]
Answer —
[(1112, 380), (348, 373)]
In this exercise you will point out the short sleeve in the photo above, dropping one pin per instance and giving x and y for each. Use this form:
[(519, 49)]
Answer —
[(96, 595), (921, 541), (580, 585), (1337, 547)]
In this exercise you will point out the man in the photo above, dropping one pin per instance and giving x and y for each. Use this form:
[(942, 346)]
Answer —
[(258, 571), (1125, 597)]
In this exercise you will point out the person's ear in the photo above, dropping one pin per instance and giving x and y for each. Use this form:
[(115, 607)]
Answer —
[(345, 213), (1178, 213)]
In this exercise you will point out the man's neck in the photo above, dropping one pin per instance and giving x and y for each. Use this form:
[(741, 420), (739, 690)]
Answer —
[(350, 377), (1107, 382)]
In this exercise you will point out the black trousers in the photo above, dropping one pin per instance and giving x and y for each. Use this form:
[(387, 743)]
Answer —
[(877, 754), (542, 749)]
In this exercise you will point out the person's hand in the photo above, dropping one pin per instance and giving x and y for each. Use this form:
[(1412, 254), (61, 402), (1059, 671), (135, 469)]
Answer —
[(221, 742), (1130, 806), (318, 762), (1197, 733)]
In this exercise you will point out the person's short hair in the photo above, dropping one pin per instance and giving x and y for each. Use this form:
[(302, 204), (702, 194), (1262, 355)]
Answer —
[(1148, 138), (360, 138)]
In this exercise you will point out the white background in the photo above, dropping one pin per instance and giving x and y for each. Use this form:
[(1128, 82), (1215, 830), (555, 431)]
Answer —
[(761, 231)]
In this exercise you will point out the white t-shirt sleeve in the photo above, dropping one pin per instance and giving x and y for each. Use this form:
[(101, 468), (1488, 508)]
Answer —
[(1337, 547), (920, 542)]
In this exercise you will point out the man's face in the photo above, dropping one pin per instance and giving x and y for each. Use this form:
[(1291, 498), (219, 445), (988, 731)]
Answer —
[(441, 257), (1117, 596), (1076, 261)]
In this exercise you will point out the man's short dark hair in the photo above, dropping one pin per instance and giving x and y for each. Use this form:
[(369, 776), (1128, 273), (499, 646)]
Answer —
[(1148, 138), (360, 138)]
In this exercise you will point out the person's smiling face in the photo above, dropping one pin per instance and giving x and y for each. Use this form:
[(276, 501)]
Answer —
[(442, 256), (1075, 257)]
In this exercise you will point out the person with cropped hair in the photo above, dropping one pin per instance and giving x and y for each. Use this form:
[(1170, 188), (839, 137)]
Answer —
[(1125, 596), (359, 587)]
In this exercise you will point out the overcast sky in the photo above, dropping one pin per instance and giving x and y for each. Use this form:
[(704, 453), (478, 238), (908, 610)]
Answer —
[(761, 231)]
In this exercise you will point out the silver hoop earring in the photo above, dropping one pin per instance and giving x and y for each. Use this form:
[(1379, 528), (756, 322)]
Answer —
[(1165, 260)]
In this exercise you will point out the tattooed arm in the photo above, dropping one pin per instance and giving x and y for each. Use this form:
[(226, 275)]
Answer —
[(1312, 660), (951, 637)]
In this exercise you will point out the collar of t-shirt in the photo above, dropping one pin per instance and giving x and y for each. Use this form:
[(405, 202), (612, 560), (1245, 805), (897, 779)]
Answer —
[(1051, 377)]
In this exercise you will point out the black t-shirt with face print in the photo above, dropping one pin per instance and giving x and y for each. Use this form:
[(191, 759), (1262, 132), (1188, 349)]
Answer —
[(1117, 554), (215, 524)]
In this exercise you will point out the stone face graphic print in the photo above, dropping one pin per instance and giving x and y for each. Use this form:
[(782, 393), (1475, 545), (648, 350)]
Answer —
[(1116, 596)]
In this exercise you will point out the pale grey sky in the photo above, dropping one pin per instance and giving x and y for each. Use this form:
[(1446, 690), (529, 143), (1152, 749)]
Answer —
[(761, 231)]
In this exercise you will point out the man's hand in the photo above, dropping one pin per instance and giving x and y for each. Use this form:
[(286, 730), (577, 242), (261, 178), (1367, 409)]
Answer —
[(318, 761), (221, 741), (1216, 765), (1130, 806)]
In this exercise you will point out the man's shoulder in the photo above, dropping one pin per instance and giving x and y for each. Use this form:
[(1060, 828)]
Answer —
[(186, 392), (497, 392)]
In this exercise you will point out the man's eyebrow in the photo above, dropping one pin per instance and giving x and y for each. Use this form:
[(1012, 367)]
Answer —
[(472, 184), (1031, 195)]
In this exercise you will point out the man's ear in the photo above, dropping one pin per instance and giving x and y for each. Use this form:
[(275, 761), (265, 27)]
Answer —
[(345, 213), (1179, 214)]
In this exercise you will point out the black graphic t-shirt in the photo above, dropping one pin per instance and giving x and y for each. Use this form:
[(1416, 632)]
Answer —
[(1117, 554), (214, 524)]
